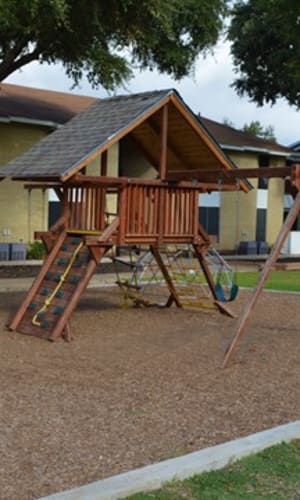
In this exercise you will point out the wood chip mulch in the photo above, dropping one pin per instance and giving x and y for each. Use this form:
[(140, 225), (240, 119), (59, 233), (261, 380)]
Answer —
[(138, 386)]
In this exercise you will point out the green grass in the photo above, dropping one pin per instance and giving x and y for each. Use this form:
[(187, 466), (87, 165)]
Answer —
[(272, 474), (278, 280)]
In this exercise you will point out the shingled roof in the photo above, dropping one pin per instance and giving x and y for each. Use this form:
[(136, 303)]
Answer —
[(69, 148), (39, 106), (58, 153), (232, 139)]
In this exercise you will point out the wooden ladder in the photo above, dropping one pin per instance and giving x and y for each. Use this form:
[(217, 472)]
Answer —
[(56, 291)]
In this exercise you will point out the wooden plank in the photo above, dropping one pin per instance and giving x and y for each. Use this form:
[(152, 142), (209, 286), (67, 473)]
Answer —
[(123, 214), (165, 273), (163, 143), (84, 180), (235, 173)]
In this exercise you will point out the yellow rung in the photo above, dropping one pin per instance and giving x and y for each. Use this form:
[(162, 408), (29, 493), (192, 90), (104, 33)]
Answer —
[(200, 305), (84, 231)]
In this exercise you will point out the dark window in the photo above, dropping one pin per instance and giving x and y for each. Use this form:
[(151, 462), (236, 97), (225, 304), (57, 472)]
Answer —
[(262, 183), (209, 218), (261, 219), (54, 212), (263, 161)]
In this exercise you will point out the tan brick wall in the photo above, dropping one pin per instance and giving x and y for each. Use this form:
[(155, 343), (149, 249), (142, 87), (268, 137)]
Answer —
[(133, 163), (20, 213), (238, 210)]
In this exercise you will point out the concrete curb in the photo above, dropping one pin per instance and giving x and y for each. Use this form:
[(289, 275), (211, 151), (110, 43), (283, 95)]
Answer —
[(154, 476)]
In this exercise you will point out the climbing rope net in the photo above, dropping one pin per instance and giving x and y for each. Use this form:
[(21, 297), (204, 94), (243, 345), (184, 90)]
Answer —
[(147, 286)]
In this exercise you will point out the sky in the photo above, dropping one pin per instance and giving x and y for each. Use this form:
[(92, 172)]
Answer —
[(207, 91)]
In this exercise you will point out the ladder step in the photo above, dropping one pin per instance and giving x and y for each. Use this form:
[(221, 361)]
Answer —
[(58, 310)]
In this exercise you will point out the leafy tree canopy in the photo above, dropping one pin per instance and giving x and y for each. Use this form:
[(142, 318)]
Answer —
[(257, 129), (254, 128), (265, 37), (104, 38)]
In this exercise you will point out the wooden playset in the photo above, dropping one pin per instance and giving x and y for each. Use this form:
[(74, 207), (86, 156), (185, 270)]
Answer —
[(155, 212)]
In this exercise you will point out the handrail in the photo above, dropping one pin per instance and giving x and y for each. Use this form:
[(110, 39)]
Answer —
[(150, 211), (94, 180)]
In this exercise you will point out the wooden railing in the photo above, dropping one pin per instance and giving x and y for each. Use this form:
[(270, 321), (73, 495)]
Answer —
[(159, 214), (86, 206), (149, 211)]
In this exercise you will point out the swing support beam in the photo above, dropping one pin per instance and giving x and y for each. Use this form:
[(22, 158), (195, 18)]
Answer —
[(293, 214)]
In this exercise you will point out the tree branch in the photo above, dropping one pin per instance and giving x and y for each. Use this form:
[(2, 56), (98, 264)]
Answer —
[(8, 66)]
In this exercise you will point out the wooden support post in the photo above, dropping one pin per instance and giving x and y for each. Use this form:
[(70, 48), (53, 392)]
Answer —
[(294, 211), (201, 258), (200, 254), (170, 285), (163, 143), (122, 212)]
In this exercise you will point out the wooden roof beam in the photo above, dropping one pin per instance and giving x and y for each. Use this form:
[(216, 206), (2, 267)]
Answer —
[(93, 180), (163, 143), (171, 145), (42, 186)]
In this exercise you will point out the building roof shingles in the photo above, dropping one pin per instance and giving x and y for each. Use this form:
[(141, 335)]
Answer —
[(229, 136)]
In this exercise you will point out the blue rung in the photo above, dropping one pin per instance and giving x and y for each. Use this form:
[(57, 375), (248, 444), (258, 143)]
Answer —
[(44, 324), (58, 310), (64, 247), (44, 291), (59, 294), (74, 279), (77, 263), (41, 314), (61, 261), (32, 306), (76, 241), (57, 277), (48, 276)]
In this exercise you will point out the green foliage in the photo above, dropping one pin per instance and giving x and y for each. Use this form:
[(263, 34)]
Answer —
[(104, 39), (254, 128), (228, 122), (265, 37), (271, 474), (36, 250), (257, 129)]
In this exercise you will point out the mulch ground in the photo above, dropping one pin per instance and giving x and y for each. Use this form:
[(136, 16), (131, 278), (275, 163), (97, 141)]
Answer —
[(138, 386)]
